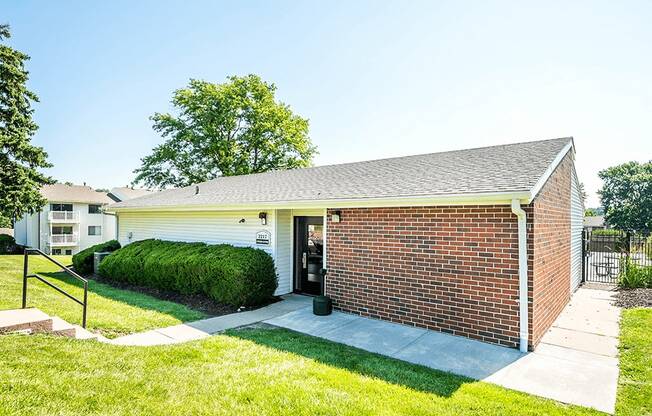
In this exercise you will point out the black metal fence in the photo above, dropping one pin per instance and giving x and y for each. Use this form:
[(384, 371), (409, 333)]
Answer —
[(606, 253)]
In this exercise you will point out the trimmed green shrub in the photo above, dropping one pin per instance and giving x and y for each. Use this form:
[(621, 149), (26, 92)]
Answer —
[(83, 261), (607, 231), (238, 276)]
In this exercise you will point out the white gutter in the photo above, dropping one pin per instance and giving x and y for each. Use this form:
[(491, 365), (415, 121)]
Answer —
[(522, 274), (491, 198)]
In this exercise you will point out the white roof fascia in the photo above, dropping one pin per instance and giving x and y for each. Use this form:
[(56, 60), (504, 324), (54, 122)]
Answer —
[(495, 198), (546, 175)]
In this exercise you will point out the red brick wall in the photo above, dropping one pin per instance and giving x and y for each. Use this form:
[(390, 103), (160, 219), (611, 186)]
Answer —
[(452, 269), (550, 251)]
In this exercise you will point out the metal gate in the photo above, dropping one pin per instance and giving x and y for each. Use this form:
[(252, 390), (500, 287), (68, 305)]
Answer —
[(606, 254)]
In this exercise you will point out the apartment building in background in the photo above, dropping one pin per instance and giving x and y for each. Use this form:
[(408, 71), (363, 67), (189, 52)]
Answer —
[(72, 220)]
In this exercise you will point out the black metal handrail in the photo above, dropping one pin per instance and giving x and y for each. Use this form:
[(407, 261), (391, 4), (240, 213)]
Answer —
[(26, 276)]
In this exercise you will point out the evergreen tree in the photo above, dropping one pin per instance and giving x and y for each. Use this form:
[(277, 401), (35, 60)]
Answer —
[(20, 161)]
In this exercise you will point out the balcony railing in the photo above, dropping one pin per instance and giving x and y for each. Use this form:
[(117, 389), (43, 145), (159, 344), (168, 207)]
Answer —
[(64, 239), (63, 216)]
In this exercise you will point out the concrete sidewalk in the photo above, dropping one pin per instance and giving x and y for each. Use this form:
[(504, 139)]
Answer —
[(577, 360), (575, 363), (201, 329), (450, 353)]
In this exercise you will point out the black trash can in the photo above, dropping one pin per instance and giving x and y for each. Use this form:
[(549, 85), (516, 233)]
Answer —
[(322, 305)]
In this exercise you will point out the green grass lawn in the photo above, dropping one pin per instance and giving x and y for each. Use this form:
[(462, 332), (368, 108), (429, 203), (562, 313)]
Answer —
[(253, 371), (244, 372), (635, 383), (111, 311)]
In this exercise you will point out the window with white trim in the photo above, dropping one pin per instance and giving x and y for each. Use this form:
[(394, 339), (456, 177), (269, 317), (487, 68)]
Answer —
[(94, 230), (60, 207)]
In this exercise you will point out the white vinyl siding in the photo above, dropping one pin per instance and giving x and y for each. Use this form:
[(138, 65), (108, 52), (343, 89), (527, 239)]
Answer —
[(212, 227), (26, 230), (20, 230), (284, 250), (576, 219)]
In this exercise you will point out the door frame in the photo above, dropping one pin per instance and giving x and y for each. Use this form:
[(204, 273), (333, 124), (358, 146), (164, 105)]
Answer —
[(314, 216)]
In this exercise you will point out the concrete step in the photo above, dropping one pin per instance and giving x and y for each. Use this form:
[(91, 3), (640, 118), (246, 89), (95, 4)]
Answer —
[(102, 338), (86, 334), (25, 319), (63, 328), (32, 320)]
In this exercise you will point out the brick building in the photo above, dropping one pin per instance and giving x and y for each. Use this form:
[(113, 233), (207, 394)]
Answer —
[(483, 243)]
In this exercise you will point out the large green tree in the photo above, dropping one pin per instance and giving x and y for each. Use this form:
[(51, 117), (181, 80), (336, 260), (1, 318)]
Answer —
[(5, 222), (20, 161), (234, 128), (626, 196)]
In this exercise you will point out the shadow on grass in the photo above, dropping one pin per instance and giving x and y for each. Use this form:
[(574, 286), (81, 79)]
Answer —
[(353, 359), (128, 297)]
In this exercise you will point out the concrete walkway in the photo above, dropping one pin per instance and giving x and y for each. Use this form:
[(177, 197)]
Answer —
[(201, 329), (577, 360), (575, 363)]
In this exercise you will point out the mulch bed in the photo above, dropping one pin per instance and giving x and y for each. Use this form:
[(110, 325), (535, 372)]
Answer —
[(634, 298), (198, 302)]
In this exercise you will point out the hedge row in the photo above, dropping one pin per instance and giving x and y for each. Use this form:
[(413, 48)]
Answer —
[(239, 276), (607, 231), (83, 261)]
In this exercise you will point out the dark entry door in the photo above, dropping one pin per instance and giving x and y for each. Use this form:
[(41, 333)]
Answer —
[(308, 254)]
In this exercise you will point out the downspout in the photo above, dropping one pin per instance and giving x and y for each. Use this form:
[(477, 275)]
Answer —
[(522, 274)]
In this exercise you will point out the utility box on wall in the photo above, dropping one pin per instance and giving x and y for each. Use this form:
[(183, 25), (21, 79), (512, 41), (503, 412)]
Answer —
[(97, 259)]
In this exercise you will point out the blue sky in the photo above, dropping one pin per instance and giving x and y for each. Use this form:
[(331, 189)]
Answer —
[(376, 79)]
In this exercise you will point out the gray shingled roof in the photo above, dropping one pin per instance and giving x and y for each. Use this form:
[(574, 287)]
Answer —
[(60, 192), (125, 193), (496, 169)]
